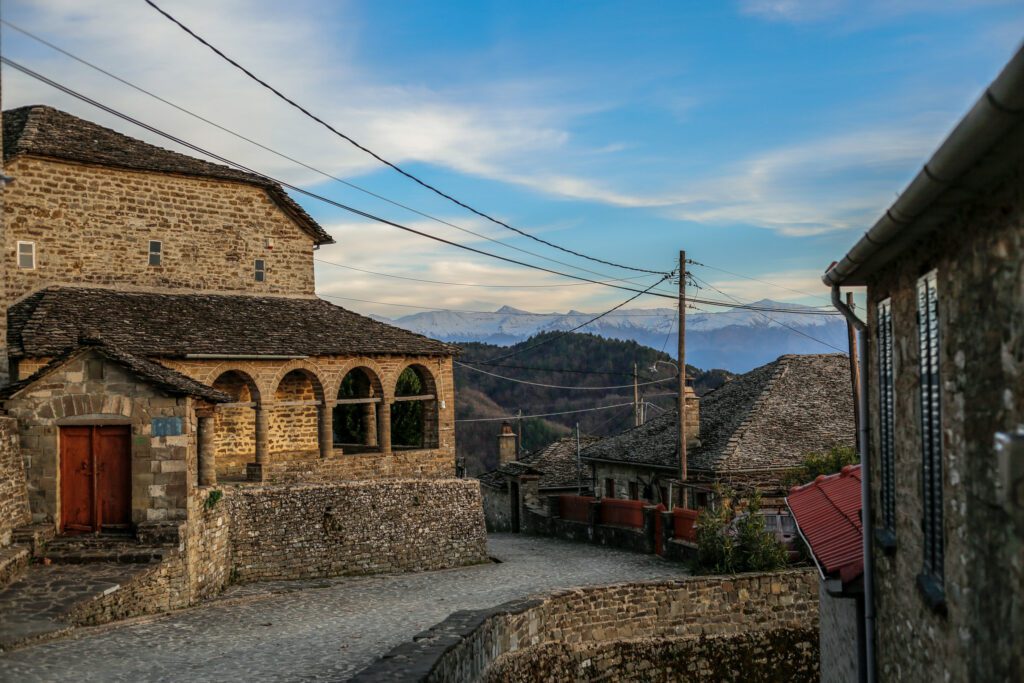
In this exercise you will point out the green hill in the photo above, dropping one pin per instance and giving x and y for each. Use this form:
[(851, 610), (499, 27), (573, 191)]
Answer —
[(574, 360)]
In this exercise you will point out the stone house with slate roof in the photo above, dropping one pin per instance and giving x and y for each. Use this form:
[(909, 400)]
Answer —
[(161, 314), (548, 471), (753, 430)]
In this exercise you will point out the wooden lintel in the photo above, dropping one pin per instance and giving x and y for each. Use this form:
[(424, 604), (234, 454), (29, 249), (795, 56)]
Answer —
[(354, 401), (421, 397)]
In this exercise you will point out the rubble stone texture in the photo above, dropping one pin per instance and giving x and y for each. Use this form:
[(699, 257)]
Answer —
[(14, 509)]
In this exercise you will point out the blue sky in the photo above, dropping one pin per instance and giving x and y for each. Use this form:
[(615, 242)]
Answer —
[(761, 136)]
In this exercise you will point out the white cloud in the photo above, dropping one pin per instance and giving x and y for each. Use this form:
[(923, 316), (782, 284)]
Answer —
[(797, 11)]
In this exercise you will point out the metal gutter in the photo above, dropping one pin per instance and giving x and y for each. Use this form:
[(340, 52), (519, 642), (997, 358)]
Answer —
[(992, 116), (868, 651)]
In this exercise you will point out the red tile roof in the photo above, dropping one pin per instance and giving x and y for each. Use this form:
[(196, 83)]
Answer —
[(827, 511)]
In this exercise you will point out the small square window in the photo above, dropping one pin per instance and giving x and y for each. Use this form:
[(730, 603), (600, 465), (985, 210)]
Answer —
[(260, 270), (27, 255), (155, 252)]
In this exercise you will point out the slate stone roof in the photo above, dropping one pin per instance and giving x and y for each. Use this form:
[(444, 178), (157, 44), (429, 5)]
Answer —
[(173, 325), (159, 376), (43, 131), (555, 463), (768, 418)]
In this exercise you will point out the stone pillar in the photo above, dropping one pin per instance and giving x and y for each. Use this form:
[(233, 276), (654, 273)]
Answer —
[(384, 427), (506, 444), (255, 470), (206, 450), (370, 423), (325, 420)]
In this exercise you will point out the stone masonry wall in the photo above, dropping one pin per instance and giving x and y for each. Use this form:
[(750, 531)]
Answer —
[(981, 339), (14, 510), (92, 389), (84, 218), (463, 647), (304, 531), (786, 655)]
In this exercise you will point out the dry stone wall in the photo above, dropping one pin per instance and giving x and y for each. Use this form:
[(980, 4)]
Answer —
[(14, 509), (211, 231), (467, 644), (304, 531)]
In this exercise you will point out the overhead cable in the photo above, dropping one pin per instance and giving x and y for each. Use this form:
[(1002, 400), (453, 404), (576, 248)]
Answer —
[(557, 386), (381, 159)]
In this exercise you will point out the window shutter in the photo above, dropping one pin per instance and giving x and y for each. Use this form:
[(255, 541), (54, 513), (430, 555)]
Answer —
[(886, 399), (931, 426)]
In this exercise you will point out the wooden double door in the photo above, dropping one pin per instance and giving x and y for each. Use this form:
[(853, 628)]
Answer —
[(95, 478)]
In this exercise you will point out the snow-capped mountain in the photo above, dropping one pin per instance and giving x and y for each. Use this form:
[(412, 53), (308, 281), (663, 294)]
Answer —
[(735, 339)]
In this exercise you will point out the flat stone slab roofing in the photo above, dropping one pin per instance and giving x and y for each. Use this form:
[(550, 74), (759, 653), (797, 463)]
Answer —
[(327, 629)]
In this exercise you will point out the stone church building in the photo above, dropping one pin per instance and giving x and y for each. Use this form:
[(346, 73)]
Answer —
[(163, 333)]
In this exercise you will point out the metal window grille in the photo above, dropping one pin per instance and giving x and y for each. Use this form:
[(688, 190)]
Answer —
[(260, 270), (155, 252), (931, 426), (27, 255), (886, 407)]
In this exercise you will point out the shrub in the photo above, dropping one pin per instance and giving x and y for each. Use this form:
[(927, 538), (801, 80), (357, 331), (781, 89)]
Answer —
[(814, 464), (731, 540)]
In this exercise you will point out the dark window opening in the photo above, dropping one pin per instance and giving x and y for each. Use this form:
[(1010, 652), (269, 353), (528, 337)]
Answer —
[(609, 488), (155, 252), (260, 270), (634, 491), (356, 413), (414, 413)]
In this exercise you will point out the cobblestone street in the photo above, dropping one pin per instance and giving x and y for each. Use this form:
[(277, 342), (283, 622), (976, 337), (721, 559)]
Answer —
[(319, 630)]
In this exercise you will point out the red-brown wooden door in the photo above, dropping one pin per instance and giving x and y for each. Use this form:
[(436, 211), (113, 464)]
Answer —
[(95, 478)]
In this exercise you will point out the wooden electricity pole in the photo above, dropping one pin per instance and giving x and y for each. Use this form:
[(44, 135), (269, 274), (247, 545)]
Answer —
[(854, 370), (636, 399), (682, 375)]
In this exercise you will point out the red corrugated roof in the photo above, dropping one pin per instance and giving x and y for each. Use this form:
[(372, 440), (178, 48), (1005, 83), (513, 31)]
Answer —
[(828, 513)]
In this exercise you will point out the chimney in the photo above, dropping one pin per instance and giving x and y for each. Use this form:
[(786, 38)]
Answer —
[(692, 416), (506, 444)]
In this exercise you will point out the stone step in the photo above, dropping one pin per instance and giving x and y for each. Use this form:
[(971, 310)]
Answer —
[(14, 561), (125, 555), (34, 536)]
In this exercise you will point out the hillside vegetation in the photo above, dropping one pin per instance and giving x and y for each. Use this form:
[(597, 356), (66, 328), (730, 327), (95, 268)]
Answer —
[(574, 360)]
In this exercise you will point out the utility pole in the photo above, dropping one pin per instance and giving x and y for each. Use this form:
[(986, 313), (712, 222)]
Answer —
[(682, 375), (579, 464), (636, 400), (519, 438), (854, 370)]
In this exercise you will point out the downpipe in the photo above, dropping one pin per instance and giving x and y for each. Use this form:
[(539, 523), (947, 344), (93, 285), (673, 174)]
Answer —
[(867, 654)]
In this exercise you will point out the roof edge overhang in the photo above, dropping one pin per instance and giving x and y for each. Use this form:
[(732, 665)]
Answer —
[(995, 115)]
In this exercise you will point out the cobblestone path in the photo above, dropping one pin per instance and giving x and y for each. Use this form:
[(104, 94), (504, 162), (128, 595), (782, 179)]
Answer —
[(319, 630)]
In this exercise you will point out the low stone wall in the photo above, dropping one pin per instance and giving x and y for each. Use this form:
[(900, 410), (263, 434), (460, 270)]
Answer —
[(14, 510), (467, 645), (305, 531), (785, 655), (197, 569)]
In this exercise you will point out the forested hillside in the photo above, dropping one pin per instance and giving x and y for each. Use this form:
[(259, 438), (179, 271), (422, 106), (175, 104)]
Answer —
[(573, 360)]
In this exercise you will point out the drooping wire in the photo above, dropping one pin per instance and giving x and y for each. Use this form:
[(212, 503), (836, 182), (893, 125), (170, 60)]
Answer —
[(381, 159), (557, 386)]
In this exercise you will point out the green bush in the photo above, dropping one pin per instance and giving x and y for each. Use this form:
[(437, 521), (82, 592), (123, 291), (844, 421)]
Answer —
[(731, 540), (815, 464)]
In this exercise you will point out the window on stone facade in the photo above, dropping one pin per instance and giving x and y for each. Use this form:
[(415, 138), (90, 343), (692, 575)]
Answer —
[(634, 491), (931, 578), (886, 411), (609, 488), (260, 270), (27, 255), (155, 252)]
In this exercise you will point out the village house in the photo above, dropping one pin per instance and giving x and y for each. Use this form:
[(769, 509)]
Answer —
[(550, 471), (827, 515), (747, 434), (163, 333), (944, 462)]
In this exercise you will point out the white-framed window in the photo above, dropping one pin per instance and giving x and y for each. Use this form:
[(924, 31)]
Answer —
[(27, 255), (156, 252), (260, 270)]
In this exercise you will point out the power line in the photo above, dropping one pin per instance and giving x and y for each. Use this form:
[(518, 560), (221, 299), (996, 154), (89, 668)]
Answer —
[(282, 155), (754, 279), (313, 195), (381, 159), (556, 370), (792, 329), (526, 417), (557, 386)]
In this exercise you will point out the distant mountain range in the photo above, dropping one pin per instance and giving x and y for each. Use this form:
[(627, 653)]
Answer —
[(735, 339)]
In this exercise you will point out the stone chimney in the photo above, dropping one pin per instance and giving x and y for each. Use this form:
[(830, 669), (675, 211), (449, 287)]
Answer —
[(692, 417), (506, 444)]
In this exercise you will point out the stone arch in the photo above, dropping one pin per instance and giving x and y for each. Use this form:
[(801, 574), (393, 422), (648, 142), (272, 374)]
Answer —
[(311, 370), (357, 413), (235, 425), (337, 375), (298, 416), (246, 371), (414, 413)]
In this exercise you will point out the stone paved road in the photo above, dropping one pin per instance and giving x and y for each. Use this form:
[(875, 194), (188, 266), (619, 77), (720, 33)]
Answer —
[(319, 630)]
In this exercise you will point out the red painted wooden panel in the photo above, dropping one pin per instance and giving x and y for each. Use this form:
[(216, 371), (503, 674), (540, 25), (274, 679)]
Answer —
[(575, 508), (684, 522), (76, 480), (113, 453), (622, 512)]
